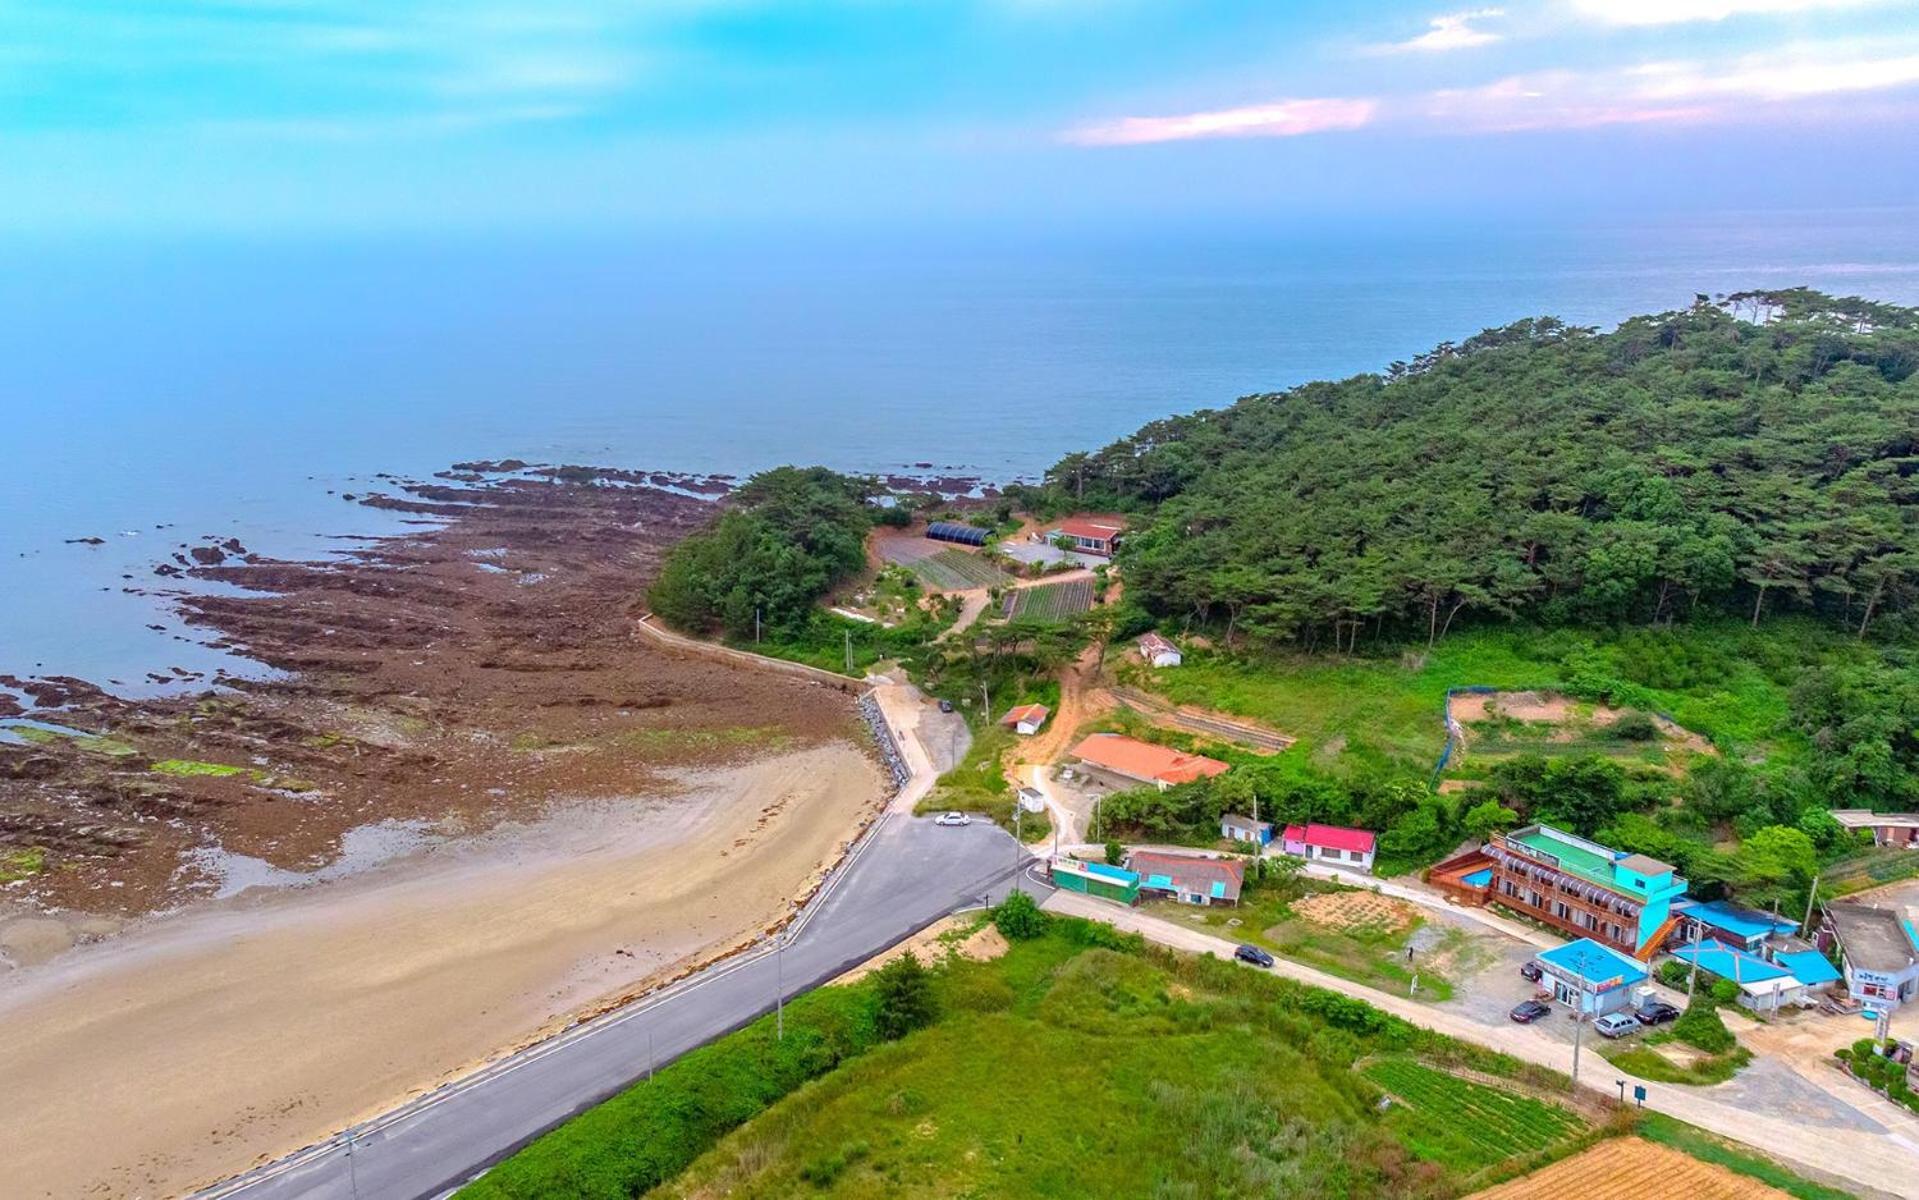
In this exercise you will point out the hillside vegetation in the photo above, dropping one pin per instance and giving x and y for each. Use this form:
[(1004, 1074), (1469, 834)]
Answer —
[(1706, 515), (1080, 1063), (1685, 459)]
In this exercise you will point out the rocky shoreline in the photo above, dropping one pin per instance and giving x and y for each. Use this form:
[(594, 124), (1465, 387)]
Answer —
[(449, 679)]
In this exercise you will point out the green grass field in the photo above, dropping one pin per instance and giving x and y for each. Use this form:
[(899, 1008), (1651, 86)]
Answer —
[(1717, 678), (1081, 1063), (1102, 1073)]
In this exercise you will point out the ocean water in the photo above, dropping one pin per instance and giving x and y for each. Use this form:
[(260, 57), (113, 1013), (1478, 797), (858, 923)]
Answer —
[(155, 393)]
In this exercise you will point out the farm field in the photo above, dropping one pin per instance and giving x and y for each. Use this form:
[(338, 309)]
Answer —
[(940, 566), (1629, 1168), (1049, 603), (1468, 1125)]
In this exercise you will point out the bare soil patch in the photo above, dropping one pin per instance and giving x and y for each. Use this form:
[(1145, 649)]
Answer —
[(1356, 910), (936, 943), (1630, 1168)]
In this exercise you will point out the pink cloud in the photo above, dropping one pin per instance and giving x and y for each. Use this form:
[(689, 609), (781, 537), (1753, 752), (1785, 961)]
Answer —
[(1282, 118)]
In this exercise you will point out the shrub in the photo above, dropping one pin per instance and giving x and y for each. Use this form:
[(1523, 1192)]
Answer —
[(1634, 727), (905, 997), (1115, 854), (1673, 973), (1701, 1027), (1725, 991), (1019, 919)]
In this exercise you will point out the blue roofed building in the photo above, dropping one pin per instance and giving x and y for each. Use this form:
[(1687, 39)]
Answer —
[(1763, 986), (1590, 977), (1719, 921)]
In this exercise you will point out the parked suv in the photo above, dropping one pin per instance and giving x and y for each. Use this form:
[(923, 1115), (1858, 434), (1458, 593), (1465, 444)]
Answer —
[(1530, 971), (1658, 1013), (1617, 1025), (1254, 955)]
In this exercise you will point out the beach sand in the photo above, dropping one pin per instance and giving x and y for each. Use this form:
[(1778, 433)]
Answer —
[(195, 1045)]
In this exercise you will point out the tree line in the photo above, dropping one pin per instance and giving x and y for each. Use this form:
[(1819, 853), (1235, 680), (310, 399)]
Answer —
[(1753, 454)]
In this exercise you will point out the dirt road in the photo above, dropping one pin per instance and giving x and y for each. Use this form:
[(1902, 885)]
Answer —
[(183, 1052)]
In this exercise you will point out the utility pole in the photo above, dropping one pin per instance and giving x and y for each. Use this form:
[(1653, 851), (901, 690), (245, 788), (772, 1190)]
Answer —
[(1579, 1025), (756, 624), (1692, 979), (779, 995), (985, 705), (849, 651), (1019, 810), (1805, 926), (352, 1172)]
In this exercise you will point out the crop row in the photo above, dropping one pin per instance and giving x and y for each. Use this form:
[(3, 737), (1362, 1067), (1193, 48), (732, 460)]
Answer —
[(1050, 602), (1484, 1116)]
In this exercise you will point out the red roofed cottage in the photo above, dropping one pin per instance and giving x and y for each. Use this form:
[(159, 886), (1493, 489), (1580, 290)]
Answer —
[(1334, 845)]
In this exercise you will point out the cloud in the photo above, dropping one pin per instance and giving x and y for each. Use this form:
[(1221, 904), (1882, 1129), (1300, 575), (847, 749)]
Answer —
[(1675, 12), (1282, 118), (1450, 31), (1673, 91)]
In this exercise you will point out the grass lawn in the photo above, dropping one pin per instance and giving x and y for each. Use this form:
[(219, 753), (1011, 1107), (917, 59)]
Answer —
[(1717, 678), (1638, 1056)]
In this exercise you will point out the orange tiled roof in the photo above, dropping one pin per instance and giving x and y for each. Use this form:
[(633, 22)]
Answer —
[(1143, 760)]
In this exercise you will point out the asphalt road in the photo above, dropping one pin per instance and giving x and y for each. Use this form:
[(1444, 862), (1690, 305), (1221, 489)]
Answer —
[(905, 875)]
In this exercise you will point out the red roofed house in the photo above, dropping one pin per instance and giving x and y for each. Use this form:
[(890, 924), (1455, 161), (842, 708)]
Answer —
[(1089, 536), (1188, 878), (1132, 761), (1027, 718), (1334, 845)]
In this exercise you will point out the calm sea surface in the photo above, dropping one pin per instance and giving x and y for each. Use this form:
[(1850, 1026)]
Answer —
[(154, 394)]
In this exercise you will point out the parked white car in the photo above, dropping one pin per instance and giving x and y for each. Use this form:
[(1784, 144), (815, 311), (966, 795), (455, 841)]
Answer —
[(953, 818), (1617, 1025)]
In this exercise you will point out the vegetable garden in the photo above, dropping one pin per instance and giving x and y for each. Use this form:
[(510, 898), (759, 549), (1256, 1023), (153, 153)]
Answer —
[(1468, 1125), (1049, 603)]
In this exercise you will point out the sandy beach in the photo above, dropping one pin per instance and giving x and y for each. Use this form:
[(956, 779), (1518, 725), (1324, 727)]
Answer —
[(195, 1045)]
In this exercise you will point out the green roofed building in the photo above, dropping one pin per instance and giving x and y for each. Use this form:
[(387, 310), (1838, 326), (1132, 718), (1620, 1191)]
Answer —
[(1585, 889), (1096, 879)]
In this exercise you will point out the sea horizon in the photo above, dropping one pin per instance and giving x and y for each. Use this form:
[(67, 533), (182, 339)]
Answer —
[(166, 392)]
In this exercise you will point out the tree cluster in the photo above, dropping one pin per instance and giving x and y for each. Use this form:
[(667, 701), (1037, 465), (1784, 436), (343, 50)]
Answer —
[(787, 536), (1754, 455)]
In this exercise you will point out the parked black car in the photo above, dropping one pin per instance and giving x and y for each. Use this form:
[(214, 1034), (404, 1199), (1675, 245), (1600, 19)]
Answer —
[(1254, 955), (1531, 971), (1657, 1013), (1528, 1011)]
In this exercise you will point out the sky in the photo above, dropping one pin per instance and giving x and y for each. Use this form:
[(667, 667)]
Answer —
[(244, 115)]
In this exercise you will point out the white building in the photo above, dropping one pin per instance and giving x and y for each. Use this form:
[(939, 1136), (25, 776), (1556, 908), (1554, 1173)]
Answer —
[(1158, 652)]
